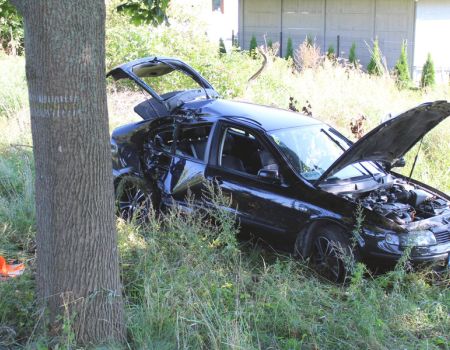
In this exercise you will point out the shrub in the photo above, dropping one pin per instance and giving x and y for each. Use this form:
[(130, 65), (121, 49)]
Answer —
[(352, 55), (289, 49), (401, 69), (11, 29), (253, 46), (374, 67), (184, 39), (331, 54), (309, 40), (428, 78), (222, 49), (308, 55)]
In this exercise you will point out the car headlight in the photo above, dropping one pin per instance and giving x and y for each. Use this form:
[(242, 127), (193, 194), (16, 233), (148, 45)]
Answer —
[(413, 238)]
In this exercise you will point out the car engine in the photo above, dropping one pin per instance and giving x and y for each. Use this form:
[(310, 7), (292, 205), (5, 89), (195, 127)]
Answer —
[(403, 203)]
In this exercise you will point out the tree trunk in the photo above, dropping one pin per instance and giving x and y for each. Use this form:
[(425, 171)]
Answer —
[(77, 259)]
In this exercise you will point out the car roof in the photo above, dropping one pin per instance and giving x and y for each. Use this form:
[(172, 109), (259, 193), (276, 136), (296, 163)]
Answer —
[(265, 117)]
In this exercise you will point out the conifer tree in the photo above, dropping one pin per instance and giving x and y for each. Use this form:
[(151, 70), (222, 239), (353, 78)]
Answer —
[(222, 49), (253, 46), (402, 70), (428, 78), (374, 67), (331, 54), (289, 49), (352, 55)]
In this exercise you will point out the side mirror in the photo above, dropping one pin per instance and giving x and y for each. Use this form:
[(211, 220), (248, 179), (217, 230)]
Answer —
[(269, 174)]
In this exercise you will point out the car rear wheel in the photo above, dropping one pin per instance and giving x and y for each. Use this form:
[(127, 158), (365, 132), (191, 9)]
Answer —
[(134, 199), (330, 253)]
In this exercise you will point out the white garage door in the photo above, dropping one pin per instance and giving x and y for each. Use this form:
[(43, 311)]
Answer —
[(432, 36)]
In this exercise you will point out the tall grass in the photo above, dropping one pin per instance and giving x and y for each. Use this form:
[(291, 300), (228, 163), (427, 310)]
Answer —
[(13, 96), (189, 286)]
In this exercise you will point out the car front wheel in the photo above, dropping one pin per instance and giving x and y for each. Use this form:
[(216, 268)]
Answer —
[(331, 254)]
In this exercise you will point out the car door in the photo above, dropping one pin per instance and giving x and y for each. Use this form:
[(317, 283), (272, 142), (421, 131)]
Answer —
[(184, 184), (239, 157)]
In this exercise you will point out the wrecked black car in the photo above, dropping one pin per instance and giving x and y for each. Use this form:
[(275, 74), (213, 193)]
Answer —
[(291, 179)]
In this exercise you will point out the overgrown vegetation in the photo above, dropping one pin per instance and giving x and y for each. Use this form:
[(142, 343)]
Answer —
[(188, 283), (11, 29), (308, 55)]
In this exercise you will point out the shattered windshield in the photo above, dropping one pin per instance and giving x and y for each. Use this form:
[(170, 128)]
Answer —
[(311, 150)]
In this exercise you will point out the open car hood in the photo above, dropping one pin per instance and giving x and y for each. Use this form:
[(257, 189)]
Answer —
[(390, 140), (148, 67)]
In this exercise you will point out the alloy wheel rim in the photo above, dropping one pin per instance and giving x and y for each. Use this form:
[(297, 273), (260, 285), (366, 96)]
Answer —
[(326, 259), (134, 203)]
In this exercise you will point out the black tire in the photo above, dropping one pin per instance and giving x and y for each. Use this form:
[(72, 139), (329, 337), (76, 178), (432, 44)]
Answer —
[(134, 199), (331, 253)]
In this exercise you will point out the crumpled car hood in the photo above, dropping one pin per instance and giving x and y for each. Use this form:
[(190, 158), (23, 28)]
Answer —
[(390, 140)]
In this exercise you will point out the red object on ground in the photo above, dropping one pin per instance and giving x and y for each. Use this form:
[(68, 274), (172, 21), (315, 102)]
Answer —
[(10, 270)]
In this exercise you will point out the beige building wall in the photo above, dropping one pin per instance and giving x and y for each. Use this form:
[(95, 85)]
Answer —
[(260, 18), (359, 21)]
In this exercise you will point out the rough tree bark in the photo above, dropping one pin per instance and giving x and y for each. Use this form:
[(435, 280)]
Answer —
[(77, 258)]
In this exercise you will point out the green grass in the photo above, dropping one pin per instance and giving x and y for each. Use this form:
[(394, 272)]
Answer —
[(189, 284), (13, 96)]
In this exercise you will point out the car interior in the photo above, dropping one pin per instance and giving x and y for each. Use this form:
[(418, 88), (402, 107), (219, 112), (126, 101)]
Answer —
[(241, 151), (192, 142)]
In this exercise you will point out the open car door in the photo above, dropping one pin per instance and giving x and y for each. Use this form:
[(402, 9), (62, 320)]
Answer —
[(160, 77)]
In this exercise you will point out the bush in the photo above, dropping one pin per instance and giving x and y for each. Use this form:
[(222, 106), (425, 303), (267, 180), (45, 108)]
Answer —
[(222, 49), (289, 49), (184, 39), (401, 69), (308, 55), (375, 67), (253, 46), (11, 29), (331, 54), (352, 55), (427, 78)]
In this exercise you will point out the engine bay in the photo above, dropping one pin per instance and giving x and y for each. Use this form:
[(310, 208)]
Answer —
[(403, 202)]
